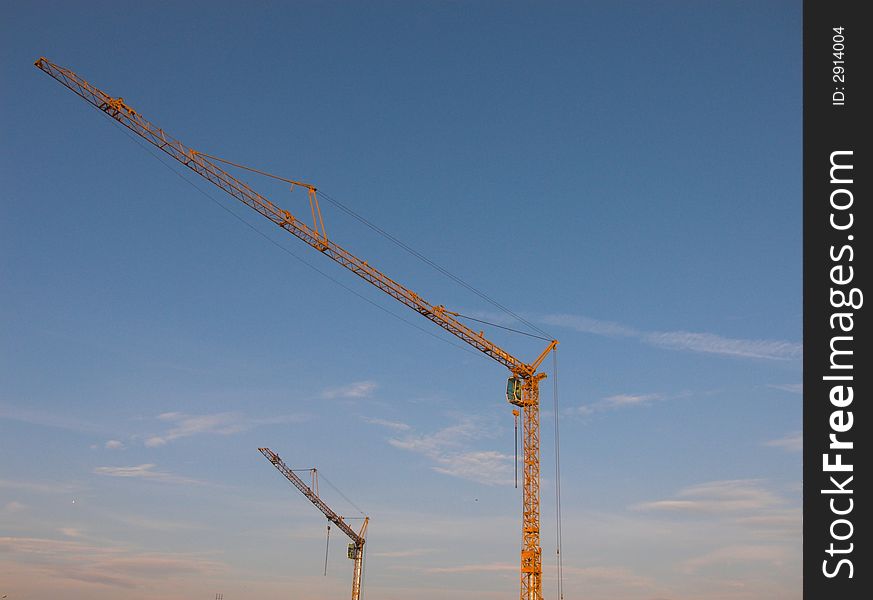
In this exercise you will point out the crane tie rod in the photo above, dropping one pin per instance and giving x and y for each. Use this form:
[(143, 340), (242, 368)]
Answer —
[(539, 337), (264, 173), (381, 231), (432, 264)]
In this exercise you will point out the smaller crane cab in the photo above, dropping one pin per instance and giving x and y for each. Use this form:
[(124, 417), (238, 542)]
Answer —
[(352, 550), (513, 391)]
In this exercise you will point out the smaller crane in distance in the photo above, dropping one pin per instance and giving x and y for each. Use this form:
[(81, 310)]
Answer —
[(356, 547)]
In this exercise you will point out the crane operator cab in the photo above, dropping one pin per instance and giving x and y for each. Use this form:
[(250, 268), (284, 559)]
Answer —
[(513, 391), (352, 551)]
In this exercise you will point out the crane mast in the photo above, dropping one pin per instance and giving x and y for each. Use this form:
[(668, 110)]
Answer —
[(356, 548), (523, 385)]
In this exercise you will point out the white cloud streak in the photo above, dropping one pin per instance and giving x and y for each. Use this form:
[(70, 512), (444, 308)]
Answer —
[(710, 343), (794, 388), (146, 472), (395, 425), (700, 342), (225, 423), (13, 507), (404, 553), (732, 496), (588, 325), (612, 575), (112, 566), (793, 442), (147, 523), (70, 532), (451, 452), (743, 553), (47, 419), (483, 568), (358, 389), (618, 401), (40, 487)]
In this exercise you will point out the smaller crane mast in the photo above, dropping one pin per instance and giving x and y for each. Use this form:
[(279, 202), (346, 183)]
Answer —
[(356, 548)]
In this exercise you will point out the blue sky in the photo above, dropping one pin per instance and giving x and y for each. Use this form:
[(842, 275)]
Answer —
[(624, 175)]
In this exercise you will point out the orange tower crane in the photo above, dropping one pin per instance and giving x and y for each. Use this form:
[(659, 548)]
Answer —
[(356, 548), (524, 382)]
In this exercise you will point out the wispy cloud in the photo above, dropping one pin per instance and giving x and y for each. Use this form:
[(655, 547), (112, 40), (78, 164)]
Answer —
[(141, 522), (482, 568), (701, 342), (484, 466), (41, 487), (451, 451), (609, 575), (395, 425), (71, 532), (715, 344), (225, 423), (618, 401), (113, 445), (13, 507), (789, 520), (706, 519), (112, 566), (629, 399), (145, 471), (775, 555), (47, 419), (732, 496), (794, 388), (404, 553), (452, 437), (358, 389), (588, 325), (793, 442)]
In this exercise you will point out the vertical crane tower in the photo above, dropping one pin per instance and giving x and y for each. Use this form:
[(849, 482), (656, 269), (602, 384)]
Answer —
[(523, 386)]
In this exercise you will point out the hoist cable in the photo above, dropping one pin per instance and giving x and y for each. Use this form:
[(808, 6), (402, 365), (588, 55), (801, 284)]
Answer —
[(363, 568), (558, 517), (515, 418)]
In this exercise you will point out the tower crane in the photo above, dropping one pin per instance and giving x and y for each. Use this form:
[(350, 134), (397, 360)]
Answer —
[(356, 547), (523, 386)]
